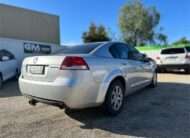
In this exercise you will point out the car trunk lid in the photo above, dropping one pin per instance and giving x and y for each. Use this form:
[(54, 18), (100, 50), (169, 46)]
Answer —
[(47, 68), (173, 59), (173, 56), (42, 68)]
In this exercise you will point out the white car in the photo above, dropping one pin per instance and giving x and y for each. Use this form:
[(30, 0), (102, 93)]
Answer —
[(174, 58), (8, 66), (87, 76)]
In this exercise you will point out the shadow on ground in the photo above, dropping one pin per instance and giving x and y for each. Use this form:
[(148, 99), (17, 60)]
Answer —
[(160, 112), (10, 89)]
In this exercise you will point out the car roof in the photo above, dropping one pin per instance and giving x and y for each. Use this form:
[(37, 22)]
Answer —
[(85, 44)]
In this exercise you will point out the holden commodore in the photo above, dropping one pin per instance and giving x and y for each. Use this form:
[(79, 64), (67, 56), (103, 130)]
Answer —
[(89, 75)]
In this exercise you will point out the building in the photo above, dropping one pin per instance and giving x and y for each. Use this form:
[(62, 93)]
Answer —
[(23, 24), (28, 33)]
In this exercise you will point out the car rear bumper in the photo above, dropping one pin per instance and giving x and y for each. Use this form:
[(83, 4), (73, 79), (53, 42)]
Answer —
[(75, 95), (33, 100), (174, 66)]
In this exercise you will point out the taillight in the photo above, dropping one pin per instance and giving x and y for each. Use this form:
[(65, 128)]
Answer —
[(74, 63), (158, 58)]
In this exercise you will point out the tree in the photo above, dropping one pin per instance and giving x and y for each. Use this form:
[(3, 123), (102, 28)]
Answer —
[(137, 22), (182, 41), (95, 34), (162, 38)]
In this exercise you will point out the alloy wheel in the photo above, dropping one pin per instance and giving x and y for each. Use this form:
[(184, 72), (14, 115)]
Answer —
[(117, 98)]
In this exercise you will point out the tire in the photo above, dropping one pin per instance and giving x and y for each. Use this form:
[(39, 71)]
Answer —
[(187, 70), (1, 81), (115, 98), (154, 81), (17, 74), (158, 70), (162, 70)]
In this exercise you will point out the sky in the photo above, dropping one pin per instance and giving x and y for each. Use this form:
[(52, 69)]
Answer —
[(76, 15)]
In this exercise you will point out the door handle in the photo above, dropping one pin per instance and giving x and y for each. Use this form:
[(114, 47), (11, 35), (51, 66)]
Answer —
[(124, 64)]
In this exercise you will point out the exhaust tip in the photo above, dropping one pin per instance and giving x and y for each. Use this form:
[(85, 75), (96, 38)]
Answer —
[(32, 102), (61, 106)]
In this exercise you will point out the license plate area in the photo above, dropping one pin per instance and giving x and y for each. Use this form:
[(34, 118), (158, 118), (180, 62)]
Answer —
[(36, 69), (172, 57)]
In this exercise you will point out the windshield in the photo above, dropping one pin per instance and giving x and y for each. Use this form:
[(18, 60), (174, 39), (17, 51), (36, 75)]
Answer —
[(81, 49), (173, 51)]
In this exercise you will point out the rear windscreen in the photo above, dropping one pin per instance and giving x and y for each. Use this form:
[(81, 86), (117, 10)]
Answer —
[(188, 49), (81, 49), (173, 51)]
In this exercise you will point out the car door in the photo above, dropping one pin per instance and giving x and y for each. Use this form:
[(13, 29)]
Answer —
[(3, 65), (139, 67), (120, 52), (149, 69), (9, 64), (12, 64)]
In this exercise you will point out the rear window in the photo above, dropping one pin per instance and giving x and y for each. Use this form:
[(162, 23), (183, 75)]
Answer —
[(188, 49), (81, 49), (173, 51)]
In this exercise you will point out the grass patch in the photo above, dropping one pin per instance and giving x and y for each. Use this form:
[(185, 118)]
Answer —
[(157, 47)]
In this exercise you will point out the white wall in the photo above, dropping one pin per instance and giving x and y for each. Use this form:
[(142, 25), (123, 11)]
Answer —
[(19, 23), (17, 47)]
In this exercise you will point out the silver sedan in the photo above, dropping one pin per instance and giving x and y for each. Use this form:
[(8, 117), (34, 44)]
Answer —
[(89, 75)]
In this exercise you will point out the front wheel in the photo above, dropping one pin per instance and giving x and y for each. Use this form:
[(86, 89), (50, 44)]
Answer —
[(115, 98)]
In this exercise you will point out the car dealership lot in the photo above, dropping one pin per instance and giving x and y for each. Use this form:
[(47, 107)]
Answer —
[(160, 112)]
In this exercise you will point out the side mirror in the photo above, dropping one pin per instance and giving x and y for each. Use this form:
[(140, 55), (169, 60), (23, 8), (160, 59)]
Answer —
[(5, 58), (145, 58)]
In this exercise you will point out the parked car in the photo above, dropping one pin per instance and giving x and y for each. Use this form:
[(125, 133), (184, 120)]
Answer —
[(87, 76), (8, 66), (174, 58)]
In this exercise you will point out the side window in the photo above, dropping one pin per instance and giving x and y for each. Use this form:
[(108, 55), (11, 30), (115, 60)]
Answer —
[(134, 54), (114, 51), (119, 51), (10, 55), (123, 51)]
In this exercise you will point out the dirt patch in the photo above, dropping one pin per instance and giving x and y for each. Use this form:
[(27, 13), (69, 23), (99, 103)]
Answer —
[(160, 112)]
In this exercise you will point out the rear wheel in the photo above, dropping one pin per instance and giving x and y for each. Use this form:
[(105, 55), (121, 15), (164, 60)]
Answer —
[(159, 70), (162, 70), (115, 98), (154, 82), (187, 70)]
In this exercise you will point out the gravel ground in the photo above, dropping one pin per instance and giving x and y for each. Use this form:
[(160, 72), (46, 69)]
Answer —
[(160, 112)]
